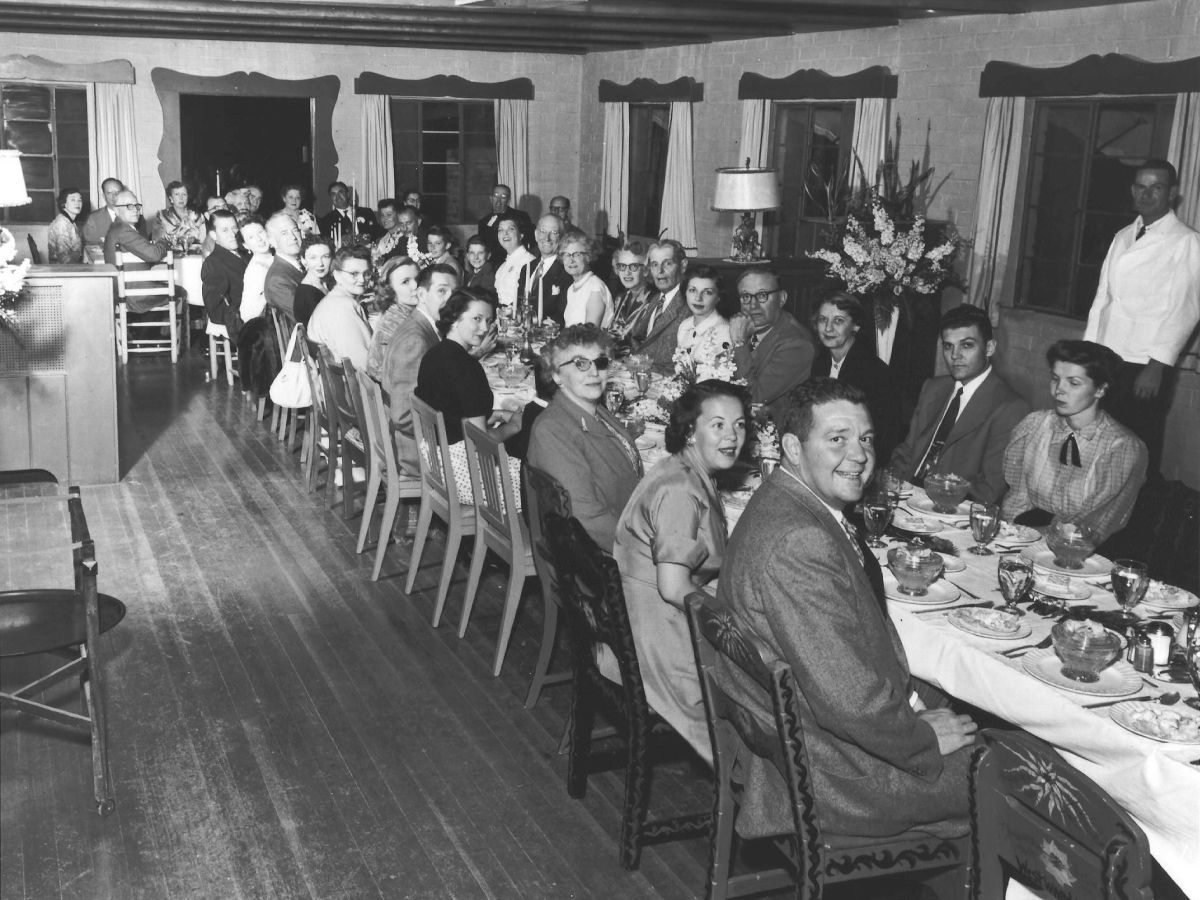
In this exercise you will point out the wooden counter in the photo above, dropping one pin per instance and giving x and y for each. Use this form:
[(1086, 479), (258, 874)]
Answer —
[(58, 377)]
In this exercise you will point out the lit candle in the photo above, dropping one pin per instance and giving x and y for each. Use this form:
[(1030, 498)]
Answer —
[(219, 194), (354, 205)]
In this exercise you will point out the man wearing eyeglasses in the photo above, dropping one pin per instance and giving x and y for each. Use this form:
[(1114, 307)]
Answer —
[(654, 333), (124, 242), (544, 282), (338, 323), (777, 356)]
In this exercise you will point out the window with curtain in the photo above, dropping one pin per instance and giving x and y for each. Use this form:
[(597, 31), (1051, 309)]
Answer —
[(1081, 160), (649, 131), (811, 149), (447, 150), (48, 125)]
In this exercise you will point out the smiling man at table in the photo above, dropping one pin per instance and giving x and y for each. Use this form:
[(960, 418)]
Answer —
[(797, 576)]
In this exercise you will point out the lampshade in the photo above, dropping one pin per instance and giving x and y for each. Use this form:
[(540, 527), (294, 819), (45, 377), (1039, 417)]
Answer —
[(12, 180), (746, 190)]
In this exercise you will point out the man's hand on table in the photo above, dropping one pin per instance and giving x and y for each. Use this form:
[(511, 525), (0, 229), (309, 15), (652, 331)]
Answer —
[(953, 731)]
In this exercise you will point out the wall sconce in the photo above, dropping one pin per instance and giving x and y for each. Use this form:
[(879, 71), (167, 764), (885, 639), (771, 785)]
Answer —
[(12, 180), (748, 191)]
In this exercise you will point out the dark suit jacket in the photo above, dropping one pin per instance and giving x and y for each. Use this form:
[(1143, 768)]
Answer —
[(551, 289), (487, 230), (221, 277), (975, 446), (659, 343), (367, 225), (94, 231), (124, 238), (793, 581), (781, 363), (863, 369), (398, 377), (484, 279), (279, 287)]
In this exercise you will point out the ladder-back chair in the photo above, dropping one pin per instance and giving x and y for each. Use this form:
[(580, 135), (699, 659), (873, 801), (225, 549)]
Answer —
[(136, 281), (283, 419)]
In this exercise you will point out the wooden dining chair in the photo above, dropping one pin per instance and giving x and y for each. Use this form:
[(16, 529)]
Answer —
[(499, 527), (283, 419), (439, 496), (1054, 829), (346, 445), (593, 605), (149, 282), (814, 857), (318, 428), (383, 472), (544, 495)]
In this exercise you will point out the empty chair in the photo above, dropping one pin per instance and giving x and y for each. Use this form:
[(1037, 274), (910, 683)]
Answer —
[(499, 527), (439, 494), (543, 495), (593, 604), (1037, 815), (35, 255), (814, 856), (146, 285)]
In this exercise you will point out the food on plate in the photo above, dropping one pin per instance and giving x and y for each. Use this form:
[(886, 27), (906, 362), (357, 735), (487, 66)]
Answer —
[(990, 619), (1158, 593), (1166, 724), (1084, 627)]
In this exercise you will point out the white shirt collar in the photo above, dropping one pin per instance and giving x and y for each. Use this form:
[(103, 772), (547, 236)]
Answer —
[(969, 388), (668, 297), (837, 514), (835, 366)]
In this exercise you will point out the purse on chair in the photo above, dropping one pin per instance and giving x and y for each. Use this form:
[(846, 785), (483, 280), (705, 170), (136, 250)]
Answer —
[(291, 387)]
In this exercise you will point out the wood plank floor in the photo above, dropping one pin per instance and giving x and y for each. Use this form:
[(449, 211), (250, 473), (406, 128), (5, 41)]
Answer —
[(282, 727)]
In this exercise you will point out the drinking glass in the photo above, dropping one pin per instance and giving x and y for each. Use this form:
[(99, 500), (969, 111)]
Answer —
[(1016, 577), (642, 378), (877, 513), (985, 525), (1130, 579), (1192, 662)]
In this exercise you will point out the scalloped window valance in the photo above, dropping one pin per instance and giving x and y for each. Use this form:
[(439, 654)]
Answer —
[(444, 86), (814, 84), (1113, 73), (647, 90)]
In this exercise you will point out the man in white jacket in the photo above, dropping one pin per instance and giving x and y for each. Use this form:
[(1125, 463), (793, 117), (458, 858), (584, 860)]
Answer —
[(1148, 303)]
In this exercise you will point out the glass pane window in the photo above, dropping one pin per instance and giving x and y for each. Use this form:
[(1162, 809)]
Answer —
[(649, 133), (48, 125), (446, 149), (1082, 158)]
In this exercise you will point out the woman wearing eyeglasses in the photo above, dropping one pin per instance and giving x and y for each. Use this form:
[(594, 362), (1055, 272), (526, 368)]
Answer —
[(629, 264), (670, 541), (588, 298), (580, 442)]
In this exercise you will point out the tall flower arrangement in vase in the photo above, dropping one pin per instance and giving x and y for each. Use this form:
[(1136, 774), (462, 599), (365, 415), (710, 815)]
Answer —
[(12, 280)]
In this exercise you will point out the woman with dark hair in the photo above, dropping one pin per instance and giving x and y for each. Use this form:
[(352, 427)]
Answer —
[(508, 273), (479, 273), (397, 298), (715, 324), (64, 240), (292, 196), (671, 541), (588, 298), (177, 225), (1075, 461), (837, 322), (316, 255), (580, 442), (452, 380)]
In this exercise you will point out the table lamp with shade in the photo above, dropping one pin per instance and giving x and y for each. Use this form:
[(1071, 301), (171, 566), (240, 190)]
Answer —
[(747, 190), (12, 180)]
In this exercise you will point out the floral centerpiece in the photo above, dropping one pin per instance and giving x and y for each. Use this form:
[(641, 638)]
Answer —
[(12, 280)]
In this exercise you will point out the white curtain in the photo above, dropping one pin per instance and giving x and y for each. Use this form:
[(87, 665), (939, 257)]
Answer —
[(869, 142), (756, 133), (614, 171), (990, 269), (116, 139), (512, 147), (678, 217), (378, 179), (1184, 152)]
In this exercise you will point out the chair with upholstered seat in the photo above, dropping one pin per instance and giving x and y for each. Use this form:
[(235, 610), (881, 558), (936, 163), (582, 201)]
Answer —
[(544, 494), (145, 285), (499, 527), (439, 495), (1047, 824), (593, 607), (814, 857)]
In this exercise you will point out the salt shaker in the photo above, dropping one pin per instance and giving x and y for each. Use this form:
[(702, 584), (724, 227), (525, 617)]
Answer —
[(1142, 652), (1160, 634)]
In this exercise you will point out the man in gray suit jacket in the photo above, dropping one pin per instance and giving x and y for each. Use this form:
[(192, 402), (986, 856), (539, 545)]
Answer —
[(799, 579), (963, 420), (655, 333), (778, 357), (285, 272)]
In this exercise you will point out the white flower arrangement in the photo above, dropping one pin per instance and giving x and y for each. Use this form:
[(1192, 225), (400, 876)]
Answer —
[(12, 279), (766, 439)]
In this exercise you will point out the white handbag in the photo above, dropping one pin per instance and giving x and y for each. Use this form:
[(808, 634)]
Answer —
[(291, 387)]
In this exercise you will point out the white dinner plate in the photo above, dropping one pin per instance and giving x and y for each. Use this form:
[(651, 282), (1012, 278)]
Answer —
[(1168, 598), (915, 524), (953, 564), (939, 593), (1062, 588), (1015, 535), (924, 507), (1042, 557), (979, 622), (644, 443), (1118, 680), (1169, 724)]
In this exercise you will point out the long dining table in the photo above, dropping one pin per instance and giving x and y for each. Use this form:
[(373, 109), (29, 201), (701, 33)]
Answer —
[(1154, 781)]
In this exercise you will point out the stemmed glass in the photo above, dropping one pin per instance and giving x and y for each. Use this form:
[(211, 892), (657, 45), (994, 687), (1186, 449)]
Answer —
[(985, 525), (877, 513), (1016, 577), (1192, 663), (1130, 579)]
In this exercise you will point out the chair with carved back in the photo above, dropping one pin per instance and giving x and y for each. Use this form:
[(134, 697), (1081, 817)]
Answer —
[(499, 527), (439, 495), (593, 607), (318, 429), (813, 857), (543, 495), (383, 471), (145, 284), (1042, 821)]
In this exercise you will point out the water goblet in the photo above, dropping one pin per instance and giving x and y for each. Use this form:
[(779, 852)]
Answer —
[(1130, 579), (985, 525), (1016, 577), (877, 513), (642, 379)]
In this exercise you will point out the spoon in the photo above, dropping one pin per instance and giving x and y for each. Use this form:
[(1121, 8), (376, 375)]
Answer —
[(1040, 645)]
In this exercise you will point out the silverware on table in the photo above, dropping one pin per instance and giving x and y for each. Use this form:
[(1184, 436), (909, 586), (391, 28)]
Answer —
[(1115, 702), (1025, 648), (963, 589), (986, 604)]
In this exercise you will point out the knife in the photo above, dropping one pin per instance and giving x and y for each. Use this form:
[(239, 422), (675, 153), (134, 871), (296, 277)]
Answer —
[(986, 604), (1115, 702)]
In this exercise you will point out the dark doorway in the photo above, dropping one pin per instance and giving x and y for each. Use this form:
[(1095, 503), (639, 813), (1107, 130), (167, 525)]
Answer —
[(261, 140)]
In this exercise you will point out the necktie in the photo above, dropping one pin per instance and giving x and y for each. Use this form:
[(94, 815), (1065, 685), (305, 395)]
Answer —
[(753, 342), (943, 431), (535, 285), (853, 535), (1069, 454), (1140, 233)]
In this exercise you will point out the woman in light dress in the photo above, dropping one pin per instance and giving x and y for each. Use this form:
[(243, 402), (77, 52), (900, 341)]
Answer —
[(715, 324), (292, 196), (64, 239), (508, 274), (588, 297), (178, 226)]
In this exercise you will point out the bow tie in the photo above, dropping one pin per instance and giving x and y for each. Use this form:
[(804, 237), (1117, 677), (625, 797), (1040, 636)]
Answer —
[(1069, 452)]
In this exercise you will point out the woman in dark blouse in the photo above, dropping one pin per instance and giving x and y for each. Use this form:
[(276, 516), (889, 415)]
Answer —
[(316, 254)]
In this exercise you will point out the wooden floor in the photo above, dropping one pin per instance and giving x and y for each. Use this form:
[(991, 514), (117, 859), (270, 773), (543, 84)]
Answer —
[(282, 727)]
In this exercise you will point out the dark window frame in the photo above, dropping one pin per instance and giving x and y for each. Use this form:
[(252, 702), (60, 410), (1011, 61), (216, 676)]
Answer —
[(647, 168), (33, 213)]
